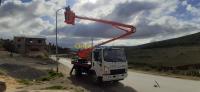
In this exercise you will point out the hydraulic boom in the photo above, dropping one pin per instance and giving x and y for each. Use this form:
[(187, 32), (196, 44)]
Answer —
[(83, 54)]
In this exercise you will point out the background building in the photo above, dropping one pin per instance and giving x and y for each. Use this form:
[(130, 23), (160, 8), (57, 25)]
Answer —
[(30, 46)]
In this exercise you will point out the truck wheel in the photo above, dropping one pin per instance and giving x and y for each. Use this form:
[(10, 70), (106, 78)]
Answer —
[(78, 72), (91, 72), (99, 80), (115, 81)]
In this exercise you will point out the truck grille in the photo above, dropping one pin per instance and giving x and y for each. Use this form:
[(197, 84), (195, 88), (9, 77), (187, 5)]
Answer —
[(117, 71)]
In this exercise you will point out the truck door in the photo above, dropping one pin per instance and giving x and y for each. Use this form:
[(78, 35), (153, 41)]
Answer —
[(97, 63)]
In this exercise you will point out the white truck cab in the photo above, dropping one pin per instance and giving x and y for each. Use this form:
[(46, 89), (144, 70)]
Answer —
[(109, 64)]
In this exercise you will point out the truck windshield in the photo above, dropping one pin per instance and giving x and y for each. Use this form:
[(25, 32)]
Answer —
[(114, 55)]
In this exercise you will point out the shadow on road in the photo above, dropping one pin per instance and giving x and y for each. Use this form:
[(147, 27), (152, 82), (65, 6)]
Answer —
[(88, 83)]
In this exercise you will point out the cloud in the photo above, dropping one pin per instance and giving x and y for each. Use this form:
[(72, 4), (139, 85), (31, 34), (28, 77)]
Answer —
[(193, 10), (22, 19), (154, 19), (123, 12)]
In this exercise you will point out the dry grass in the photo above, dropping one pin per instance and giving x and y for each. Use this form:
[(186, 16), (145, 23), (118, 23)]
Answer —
[(166, 74), (173, 56), (152, 60)]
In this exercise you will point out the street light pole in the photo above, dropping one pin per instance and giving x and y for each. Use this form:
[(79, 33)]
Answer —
[(57, 38)]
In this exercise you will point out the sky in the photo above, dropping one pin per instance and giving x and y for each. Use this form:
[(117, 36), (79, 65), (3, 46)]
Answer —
[(155, 20)]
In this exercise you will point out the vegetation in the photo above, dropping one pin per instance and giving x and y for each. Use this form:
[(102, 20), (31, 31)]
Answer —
[(26, 82), (167, 70), (51, 75), (71, 88), (188, 40), (174, 56), (8, 45), (61, 50), (43, 56), (166, 56), (56, 87), (2, 72)]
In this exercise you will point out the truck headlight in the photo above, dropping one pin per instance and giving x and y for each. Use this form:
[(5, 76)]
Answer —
[(106, 70)]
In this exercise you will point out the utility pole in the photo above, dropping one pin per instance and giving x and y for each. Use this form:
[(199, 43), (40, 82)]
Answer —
[(57, 37), (92, 44), (0, 2)]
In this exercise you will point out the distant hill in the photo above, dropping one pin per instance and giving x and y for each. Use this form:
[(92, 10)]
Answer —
[(173, 52), (188, 40)]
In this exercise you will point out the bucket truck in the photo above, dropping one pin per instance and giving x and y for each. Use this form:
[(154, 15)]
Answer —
[(107, 63)]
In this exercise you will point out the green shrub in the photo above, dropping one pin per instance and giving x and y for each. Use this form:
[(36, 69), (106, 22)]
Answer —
[(55, 87), (26, 82), (51, 75), (2, 72)]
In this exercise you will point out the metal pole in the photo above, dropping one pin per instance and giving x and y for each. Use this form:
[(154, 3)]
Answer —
[(57, 38), (92, 50), (56, 42)]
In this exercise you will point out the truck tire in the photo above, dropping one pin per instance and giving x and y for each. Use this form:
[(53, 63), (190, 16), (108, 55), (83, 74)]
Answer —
[(99, 80), (78, 72), (115, 81), (91, 72)]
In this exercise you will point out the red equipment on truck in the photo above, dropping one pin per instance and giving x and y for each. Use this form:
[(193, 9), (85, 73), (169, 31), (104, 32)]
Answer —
[(70, 19)]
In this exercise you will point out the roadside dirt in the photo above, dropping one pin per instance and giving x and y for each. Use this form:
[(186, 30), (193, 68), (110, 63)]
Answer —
[(23, 74), (11, 84), (22, 71)]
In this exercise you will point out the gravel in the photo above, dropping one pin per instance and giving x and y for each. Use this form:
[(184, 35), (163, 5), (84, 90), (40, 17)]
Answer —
[(22, 71)]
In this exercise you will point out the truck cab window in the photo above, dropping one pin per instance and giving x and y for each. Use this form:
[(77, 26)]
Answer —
[(39, 41), (97, 56)]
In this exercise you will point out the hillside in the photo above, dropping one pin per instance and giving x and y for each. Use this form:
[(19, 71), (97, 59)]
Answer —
[(174, 52), (187, 40)]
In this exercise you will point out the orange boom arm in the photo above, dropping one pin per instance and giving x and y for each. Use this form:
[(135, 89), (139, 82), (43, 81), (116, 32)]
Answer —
[(70, 19)]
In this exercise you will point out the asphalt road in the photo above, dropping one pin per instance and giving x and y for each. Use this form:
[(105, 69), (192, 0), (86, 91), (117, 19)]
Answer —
[(139, 82)]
